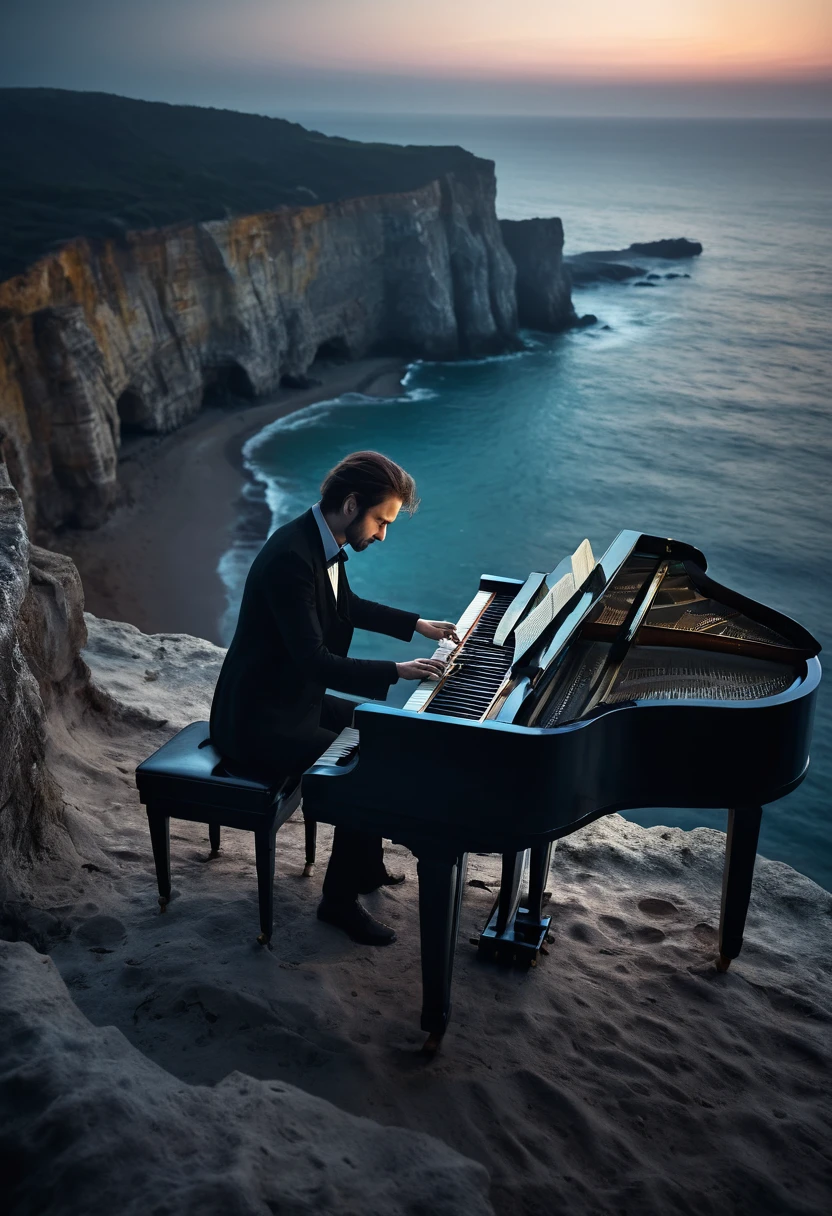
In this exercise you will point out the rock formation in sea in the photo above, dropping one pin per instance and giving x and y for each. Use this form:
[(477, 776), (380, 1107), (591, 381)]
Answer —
[(598, 265), (544, 299)]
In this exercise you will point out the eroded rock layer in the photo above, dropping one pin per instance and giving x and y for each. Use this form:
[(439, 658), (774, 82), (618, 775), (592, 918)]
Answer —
[(102, 337), (41, 633)]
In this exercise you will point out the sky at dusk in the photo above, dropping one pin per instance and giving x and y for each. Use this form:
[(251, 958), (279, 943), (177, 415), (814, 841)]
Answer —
[(616, 57)]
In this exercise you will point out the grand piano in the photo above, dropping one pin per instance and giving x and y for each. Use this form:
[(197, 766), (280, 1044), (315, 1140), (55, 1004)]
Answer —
[(632, 681)]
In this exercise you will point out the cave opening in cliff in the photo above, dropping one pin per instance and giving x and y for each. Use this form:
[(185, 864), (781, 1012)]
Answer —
[(224, 383), (134, 414), (334, 350)]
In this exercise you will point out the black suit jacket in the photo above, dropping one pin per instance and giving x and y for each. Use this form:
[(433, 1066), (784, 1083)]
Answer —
[(291, 644)]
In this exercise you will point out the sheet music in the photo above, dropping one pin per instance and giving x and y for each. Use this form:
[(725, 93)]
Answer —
[(527, 594), (583, 563), (528, 631)]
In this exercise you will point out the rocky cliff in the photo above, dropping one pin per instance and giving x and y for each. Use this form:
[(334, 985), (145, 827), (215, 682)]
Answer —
[(544, 298), (29, 798), (105, 336)]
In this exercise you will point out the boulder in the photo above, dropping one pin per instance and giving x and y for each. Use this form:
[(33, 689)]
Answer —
[(89, 1125)]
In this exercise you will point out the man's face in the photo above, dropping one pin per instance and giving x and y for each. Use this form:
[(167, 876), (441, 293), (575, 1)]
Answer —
[(371, 525)]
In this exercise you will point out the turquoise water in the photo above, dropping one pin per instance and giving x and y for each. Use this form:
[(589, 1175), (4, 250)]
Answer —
[(703, 413)]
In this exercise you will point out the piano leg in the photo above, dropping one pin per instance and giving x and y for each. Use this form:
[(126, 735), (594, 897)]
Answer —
[(441, 880), (740, 855), (214, 837), (310, 827)]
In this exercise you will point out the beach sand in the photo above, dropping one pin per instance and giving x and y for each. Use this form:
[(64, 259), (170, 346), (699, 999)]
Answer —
[(154, 561)]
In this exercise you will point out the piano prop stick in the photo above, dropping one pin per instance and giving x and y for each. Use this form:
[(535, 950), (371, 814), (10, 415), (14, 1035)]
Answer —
[(635, 681)]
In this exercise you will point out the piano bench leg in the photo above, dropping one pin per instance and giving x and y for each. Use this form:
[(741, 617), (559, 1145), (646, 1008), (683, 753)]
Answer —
[(740, 855), (311, 833), (159, 825), (264, 849), (214, 837)]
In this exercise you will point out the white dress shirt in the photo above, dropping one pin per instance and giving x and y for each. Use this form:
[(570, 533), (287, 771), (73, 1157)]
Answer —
[(331, 547)]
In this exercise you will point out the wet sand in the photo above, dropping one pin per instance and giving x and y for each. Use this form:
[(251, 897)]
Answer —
[(154, 562)]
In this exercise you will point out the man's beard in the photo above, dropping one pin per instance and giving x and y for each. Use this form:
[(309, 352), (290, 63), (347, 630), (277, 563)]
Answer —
[(353, 537)]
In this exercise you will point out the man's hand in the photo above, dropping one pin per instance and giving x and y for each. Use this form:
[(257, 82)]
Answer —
[(437, 630), (421, 669)]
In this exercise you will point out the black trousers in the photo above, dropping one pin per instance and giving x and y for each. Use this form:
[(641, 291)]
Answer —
[(356, 862)]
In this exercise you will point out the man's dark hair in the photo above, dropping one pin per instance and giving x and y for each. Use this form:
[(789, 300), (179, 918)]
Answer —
[(371, 477)]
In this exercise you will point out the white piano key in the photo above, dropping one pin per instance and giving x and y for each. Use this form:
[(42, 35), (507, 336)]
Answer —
[(346, 742), (418, 699)]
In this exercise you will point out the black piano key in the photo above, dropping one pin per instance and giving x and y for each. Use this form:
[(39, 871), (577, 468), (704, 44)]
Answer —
[(480, 668)]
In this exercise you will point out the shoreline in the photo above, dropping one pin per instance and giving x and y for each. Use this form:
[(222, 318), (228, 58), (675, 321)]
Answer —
[(154, 561)]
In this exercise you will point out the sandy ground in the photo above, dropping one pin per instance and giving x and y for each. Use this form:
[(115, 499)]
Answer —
[(623, 1076), (154, 561)]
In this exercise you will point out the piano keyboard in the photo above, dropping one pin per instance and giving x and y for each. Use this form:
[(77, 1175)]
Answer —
[(479, 669), (424, 691), (342, 749)]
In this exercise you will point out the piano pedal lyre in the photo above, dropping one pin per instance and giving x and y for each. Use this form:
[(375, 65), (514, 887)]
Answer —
[(521, 943)]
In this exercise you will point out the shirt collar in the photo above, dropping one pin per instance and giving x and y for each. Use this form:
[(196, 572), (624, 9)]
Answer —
[(331, 546)]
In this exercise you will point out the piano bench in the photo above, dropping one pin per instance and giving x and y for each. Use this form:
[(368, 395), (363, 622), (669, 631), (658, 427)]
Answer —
[(187, 779)]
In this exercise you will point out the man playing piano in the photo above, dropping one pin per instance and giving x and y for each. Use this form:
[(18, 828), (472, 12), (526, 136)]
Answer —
[(271, 714)]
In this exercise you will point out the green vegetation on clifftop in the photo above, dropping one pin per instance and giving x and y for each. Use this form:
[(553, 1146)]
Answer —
[(97, 165)]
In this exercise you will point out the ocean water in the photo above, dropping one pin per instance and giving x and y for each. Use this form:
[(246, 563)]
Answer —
[(703, 413)]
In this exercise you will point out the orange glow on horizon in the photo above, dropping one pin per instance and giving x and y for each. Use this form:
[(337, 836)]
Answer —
[(625, 40)]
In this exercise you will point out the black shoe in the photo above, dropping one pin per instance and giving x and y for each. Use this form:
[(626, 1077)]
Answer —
[(386, 880), (356, 921)]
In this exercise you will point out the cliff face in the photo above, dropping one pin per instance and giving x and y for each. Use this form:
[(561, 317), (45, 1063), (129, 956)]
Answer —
[(41, 633), (103, 336), (544, 299)]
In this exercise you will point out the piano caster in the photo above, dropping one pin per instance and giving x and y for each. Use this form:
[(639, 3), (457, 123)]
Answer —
[(213, 854), (163, 903), (722, 963), (263, 940), (431, 1045), (309, 870)]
